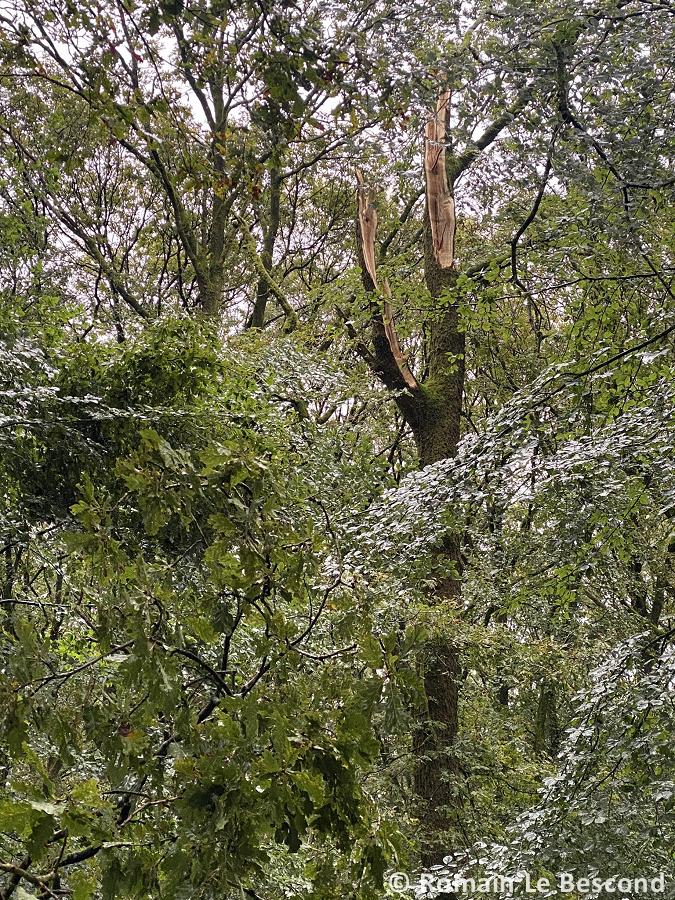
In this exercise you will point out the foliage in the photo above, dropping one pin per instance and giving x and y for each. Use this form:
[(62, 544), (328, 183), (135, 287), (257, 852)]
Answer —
[(202, 635)]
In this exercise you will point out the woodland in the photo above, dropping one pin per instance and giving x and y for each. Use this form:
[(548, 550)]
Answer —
[(337, 431)]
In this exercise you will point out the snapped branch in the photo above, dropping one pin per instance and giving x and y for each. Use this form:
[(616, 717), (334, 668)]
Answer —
[(389, 362)]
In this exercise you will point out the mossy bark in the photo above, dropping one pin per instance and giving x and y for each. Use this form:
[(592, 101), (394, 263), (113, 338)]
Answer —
[(267, 255), (546, 730), (437, 429)]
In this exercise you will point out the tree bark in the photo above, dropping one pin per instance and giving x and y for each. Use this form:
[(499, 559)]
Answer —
[(263, 290), (546, 731), (436, 773), (437, 434), (433, 411)]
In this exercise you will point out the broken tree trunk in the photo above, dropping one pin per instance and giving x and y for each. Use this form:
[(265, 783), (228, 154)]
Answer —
[(440, 202), (433, 412), (437, 776)]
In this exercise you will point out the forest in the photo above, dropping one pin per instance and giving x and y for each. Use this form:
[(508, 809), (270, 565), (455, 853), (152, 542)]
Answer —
[(337, 449)]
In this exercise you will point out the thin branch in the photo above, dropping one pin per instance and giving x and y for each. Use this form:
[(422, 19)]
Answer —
[(533, 212), (204, 665), (284, 303), (403, 218), (65, 675)]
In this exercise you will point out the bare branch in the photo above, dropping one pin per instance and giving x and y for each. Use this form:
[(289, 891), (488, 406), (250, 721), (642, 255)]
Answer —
[(533, 212), (461, 163)]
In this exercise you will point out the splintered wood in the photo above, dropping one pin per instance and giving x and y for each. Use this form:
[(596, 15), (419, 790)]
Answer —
[(368, 225), (392, 337), (367, 234), (440, 202)]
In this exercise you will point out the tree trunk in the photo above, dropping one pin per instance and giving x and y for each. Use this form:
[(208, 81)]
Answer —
[(436, 775), (437, 430), (546, 731), (433, 411), (263, 290)]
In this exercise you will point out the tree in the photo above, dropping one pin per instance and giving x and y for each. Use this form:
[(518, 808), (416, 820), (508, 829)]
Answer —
[(204, 635), (217, 108)]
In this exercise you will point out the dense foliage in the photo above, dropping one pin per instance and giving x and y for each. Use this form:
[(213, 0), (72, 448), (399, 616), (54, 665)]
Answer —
[(263, 632)]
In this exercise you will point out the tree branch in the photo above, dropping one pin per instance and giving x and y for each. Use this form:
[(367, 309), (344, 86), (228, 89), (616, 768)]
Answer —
[(459, 164)]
